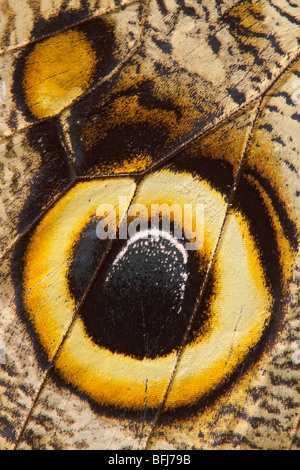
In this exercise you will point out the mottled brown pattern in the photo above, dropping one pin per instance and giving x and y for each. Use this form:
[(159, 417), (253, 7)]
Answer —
[(20, 163), (19, 17), (16, 115), (296, 441)]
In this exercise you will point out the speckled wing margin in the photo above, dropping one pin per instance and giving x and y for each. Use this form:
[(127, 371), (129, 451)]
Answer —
[(19, 18)]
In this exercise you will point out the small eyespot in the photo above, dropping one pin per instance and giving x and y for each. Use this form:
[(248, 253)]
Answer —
[(57, 71)]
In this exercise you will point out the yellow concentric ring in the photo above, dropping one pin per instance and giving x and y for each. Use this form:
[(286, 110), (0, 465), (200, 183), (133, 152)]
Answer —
[(240, 309)]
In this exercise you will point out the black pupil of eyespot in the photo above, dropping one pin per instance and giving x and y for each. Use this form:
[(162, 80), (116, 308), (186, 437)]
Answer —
[(141, 301)]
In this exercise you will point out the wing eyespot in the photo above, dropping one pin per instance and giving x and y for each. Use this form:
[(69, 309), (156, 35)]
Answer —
[(57, 70), (139, 307)]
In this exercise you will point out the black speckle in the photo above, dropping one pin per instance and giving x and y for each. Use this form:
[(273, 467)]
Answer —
[(296, 117), (290, 165), (164, 46), (236, 95), (285, 95), (272, 108), (162, 7), (268, 127), (279, 141), (7, 429), (214, 43)]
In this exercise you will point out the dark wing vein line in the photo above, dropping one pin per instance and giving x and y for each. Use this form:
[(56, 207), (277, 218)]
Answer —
[(159, 163), (232, 195), (100, 81), (72, 25), (233, 192), (63, 139), (206, 279), (51, 364)]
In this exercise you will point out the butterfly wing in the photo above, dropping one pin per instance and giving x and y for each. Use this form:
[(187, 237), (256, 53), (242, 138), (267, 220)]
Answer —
[(166, 96)]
